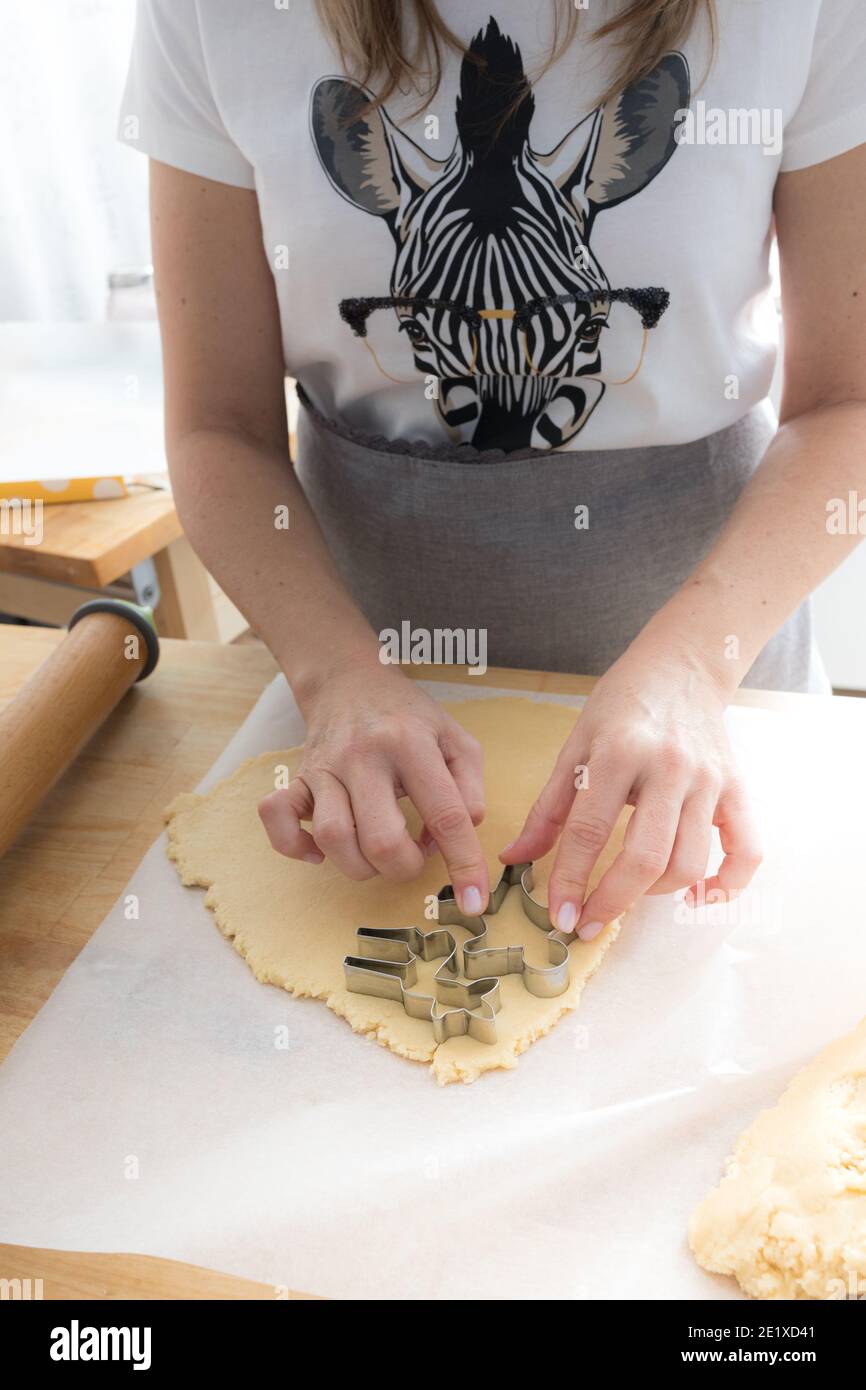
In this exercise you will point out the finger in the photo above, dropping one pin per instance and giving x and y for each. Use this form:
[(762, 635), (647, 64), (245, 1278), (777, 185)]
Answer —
[(281, 814), (468, 775), (688, 861), (425, 841), (465, 762), (437, 797), (545, 821), (741, 843), (585, 833), (334, 827), (647, 846), (380, 826)]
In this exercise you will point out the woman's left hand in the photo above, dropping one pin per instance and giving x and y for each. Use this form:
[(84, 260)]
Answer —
[(652, 735)]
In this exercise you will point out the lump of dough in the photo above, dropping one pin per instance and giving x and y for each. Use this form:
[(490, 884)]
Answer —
[(788, 1219)]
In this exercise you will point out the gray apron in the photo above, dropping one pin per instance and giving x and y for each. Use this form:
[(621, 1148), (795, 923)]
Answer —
[(451, 538)]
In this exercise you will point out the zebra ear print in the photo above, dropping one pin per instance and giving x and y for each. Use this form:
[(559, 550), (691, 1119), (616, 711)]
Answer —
[(369, 162), (566, 164), (635, 137)]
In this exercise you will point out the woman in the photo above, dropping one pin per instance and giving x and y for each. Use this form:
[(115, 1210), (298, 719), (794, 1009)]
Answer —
[(518, 263)]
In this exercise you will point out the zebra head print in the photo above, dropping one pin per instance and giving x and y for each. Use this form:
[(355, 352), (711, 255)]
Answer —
[(498, 226)]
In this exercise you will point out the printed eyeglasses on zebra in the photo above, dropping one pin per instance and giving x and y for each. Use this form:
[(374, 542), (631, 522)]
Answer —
[(649, 302)]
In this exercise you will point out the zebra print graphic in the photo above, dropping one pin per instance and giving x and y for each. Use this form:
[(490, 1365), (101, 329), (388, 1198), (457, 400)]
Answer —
[(495, 227)]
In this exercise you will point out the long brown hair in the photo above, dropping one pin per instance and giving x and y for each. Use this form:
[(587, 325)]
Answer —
[(371, 38)]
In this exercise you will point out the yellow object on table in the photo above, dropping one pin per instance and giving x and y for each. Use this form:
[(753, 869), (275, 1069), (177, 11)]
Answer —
[(65, 490)]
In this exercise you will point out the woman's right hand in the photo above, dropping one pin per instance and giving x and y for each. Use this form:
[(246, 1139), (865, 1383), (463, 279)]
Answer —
[(373, 736)]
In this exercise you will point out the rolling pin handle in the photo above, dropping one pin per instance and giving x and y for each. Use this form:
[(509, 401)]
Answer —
[(46, 725), (140, 617)]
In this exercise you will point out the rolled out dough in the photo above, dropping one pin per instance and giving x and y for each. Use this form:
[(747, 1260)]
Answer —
[(293, 922), (788, 1219)]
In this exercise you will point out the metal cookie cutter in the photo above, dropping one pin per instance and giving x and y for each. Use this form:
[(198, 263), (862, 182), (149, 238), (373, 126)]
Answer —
[(385, 965)]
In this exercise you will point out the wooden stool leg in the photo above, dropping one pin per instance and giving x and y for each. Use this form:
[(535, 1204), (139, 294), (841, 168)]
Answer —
[(186, 607)]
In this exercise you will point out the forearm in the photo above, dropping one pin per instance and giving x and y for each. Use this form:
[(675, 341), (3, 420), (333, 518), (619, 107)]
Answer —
[(233, 496), (775, 548)]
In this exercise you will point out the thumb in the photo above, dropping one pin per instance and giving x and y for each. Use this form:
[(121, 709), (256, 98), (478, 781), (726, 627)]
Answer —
[(281, 814)]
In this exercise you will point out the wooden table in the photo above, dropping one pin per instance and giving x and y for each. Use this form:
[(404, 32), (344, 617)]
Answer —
[(89, 547), (75, 397), (58, 883)]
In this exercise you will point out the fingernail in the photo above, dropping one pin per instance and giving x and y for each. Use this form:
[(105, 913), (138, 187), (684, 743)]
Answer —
[(313, 858), (470, 901), (506, 848), (566, 917), (590, 930), (432, 848)]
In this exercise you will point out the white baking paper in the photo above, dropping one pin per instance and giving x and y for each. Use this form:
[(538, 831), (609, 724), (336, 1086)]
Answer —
[(147, 1108)]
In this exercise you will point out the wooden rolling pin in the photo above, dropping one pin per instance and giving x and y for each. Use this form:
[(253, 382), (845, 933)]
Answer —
[(109, 646)]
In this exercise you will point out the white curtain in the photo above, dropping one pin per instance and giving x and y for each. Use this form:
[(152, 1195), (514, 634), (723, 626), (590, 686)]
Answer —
[(73, 201)]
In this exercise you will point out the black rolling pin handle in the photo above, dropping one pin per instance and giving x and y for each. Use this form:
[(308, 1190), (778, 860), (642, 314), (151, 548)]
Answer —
[(140, 617)]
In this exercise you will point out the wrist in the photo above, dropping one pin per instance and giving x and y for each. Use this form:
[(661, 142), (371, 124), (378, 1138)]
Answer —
[(694, 631), (357, 662)]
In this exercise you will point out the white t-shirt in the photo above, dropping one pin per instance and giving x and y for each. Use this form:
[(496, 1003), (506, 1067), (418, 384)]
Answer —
[(593, 278)]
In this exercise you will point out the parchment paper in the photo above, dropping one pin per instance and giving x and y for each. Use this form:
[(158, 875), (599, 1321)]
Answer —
[(149, 1108)]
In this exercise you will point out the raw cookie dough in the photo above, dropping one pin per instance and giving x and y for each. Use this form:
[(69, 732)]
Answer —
[(293, 922), (788, 1219)]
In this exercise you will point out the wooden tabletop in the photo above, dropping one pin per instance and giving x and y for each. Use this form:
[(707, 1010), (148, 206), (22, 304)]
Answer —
[(57, 884), (91, 544)]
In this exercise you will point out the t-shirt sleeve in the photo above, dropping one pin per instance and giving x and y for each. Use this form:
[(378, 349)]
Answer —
[(831, 117), (168, 109)]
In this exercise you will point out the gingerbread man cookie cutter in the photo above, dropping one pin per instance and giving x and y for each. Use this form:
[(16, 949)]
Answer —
[(385, 963)]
